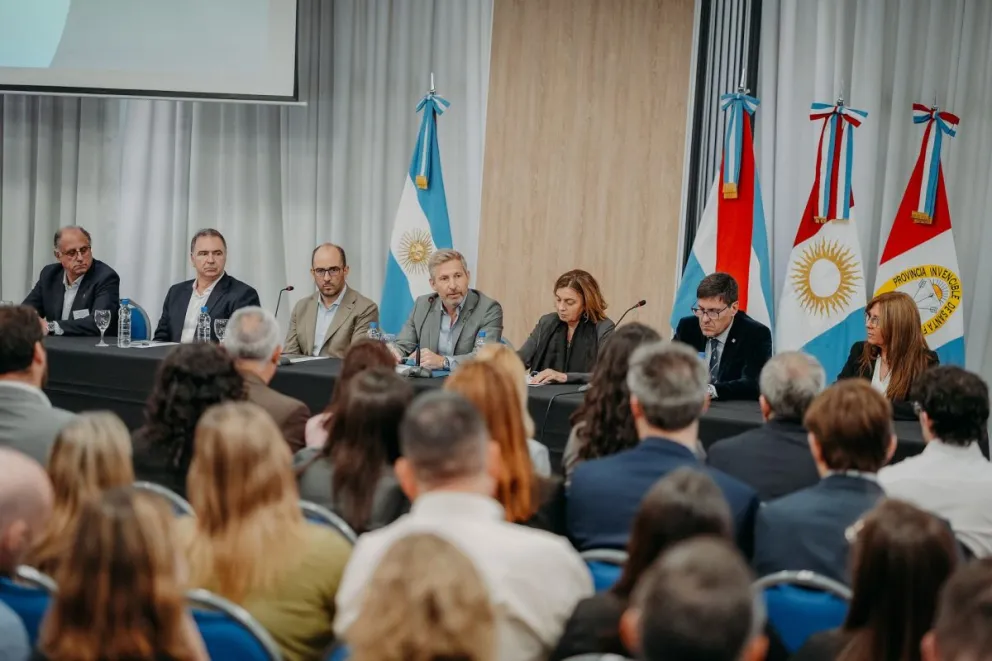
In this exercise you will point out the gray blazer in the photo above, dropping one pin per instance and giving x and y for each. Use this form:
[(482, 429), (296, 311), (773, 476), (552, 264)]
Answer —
[(28, 421), (545, 326), (480, 313)]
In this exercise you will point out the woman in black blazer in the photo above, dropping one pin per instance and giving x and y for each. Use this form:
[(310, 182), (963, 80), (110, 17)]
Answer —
[(896, 352), (564, 344)]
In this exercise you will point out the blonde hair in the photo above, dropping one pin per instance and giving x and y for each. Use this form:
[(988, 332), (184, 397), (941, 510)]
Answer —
[(249, 528), (902, 334), (504, 358), (90, 455), (439, 257), (425, 601)]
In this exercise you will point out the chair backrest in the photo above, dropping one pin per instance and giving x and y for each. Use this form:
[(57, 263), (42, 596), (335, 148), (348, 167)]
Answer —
[(229, 631), (179, 504), (801, 603), (141, 323), (29, 595), (339, 652), (319, 514), (605, 565)]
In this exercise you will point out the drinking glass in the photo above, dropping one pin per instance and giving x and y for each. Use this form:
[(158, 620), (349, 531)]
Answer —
[(220, 328), (6, 303), (102, 319)]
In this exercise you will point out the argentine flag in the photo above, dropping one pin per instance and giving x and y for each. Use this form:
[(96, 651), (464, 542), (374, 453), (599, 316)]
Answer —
[(421, 224)]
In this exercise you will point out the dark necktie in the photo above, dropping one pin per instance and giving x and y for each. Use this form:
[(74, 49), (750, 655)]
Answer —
[(714, 359)]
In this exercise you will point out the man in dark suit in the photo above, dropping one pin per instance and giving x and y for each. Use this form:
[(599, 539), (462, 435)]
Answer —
[(736, 346), (67, 293), (851, 437), (667, 383), (212, 287), (775, 458)]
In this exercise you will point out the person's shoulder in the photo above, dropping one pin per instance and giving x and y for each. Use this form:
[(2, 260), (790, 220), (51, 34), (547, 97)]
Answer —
[(733, 444), (857, 348), (305, 456), (596, 469), (361, 301), (751, 324), (730, 485), (302, 304), (485, 301), (102, 269), (238, 285), (324, 541), (178, 286)]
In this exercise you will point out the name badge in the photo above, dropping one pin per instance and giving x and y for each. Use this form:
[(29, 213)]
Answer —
[(80, 314)]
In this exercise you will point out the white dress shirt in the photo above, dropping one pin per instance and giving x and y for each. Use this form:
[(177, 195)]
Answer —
[(877, 382), (325, 317), (952, 482), (535, 578), (196, 301), (70, 294)]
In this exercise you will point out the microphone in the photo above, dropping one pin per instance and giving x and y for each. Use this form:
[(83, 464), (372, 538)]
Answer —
[(639, 304), (420, 331), (547, 411), (279, 299)]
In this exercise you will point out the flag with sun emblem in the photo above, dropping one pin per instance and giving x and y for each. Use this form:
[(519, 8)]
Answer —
[(421, 224), (919, 258), (821, 310)]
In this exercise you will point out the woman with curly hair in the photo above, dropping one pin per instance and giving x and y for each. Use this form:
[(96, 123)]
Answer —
[(191, 379), (603, 425)]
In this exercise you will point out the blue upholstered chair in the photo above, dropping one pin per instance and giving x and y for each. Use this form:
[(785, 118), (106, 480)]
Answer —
[(141, 323), (605, 565), (801, 603), (319, 514), (229, 631), (28, 595)]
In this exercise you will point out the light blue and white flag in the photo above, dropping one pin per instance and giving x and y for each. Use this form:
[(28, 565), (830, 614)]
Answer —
[(421, 224)]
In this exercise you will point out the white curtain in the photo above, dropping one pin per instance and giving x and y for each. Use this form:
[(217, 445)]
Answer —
[(143, 175), (882, 55)]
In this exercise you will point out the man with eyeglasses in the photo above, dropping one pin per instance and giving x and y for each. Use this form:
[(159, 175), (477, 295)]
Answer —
[(734, 346), (68, 292), (326, 323)]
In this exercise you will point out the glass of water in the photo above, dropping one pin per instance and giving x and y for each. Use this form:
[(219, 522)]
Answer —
[(220, 328), (102, 320), (6, 303)]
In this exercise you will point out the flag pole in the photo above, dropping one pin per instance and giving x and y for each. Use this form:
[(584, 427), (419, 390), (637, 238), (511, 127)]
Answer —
[(433, 89)]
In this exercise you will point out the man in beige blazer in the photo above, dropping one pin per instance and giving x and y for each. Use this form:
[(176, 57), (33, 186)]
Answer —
[(326, 323)]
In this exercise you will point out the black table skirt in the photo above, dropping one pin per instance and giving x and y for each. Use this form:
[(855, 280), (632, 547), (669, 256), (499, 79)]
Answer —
[(83, 377)]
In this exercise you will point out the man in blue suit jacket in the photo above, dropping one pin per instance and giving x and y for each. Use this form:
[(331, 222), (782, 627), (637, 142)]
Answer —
[(851, 437), (668, 394)]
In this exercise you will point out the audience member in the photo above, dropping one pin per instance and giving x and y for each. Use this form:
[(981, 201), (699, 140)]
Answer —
[(28, 421), (191, 379), (603, 424), (535, 578), (249, 542), (252, 339), (91, 455), (962, 630), (362, 355), (775, 458), (850, 434), (506, 359), (682, 505), (25, 507), (121, 589), (14, 645), (695, 603), (950, 478), (525, 496), (426, 602), (352, 474), (900, 559), (667, 383)]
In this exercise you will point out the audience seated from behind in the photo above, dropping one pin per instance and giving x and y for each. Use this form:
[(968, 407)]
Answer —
[(249, 542), (667, 383), (191, 379), (696, 602), (353, 474), (426, 601), (28, 421), (962, 629), (362, 355), (682, 505), (526, 497), (851, 437), (252, 339), (603, 424), (899, 560), (121, 592), (506, 359), (775, 458), (950, 478), (448, 470), (91, 455)]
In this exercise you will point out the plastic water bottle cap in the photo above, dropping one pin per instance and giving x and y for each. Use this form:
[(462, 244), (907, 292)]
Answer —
[(482, 333), (125, 301), (203, 309), (372, 324)]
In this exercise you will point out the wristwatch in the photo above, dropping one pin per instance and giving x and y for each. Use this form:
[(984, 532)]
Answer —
[(711, 389), (54, 328), (447, 364)]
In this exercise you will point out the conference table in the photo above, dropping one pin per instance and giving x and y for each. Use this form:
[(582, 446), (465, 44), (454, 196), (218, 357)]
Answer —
[(84, 377)]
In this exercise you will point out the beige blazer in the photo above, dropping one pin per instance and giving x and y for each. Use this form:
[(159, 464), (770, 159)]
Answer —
[(351, 323)]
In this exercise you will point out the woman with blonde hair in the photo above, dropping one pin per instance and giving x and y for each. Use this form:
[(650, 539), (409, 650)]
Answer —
[(120, 590), (249, 542), (91, 455), (425, 602), (895, 353)]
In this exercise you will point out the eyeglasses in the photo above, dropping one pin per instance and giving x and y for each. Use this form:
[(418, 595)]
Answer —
[(71, 254), (872, 321), (710, 314), (323, 273)]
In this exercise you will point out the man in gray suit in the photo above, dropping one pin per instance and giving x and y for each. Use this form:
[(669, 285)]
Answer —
[(446, 331), (28, 422)]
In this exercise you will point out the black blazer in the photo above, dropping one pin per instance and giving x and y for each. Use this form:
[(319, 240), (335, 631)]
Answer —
[(748, 348), (902, 409), (99, 290), (229, 295), (537, 343)]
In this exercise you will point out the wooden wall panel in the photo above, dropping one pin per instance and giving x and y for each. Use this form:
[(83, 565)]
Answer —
[(584, 148)]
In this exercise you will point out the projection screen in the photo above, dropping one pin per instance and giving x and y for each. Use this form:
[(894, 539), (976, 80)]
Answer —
[(224, 49)]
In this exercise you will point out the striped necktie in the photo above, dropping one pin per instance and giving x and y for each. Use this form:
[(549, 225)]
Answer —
[(714, 359)]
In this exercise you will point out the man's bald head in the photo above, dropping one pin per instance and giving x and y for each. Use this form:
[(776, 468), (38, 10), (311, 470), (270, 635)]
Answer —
[(25, 505)]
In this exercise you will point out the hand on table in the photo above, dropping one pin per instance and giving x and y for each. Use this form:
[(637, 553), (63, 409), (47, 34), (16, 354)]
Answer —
[(431, 360), (548, 376)]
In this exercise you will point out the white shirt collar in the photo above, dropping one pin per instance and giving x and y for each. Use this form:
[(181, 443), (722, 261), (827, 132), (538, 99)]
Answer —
[(65, 280), (209, 290), (446, 504), (20, 385), (968, 452), (871, 477)]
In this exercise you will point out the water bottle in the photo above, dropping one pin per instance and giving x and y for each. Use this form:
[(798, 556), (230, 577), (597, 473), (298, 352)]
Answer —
[(124, 324), (374, 333), (480, 340), (203, 326)]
